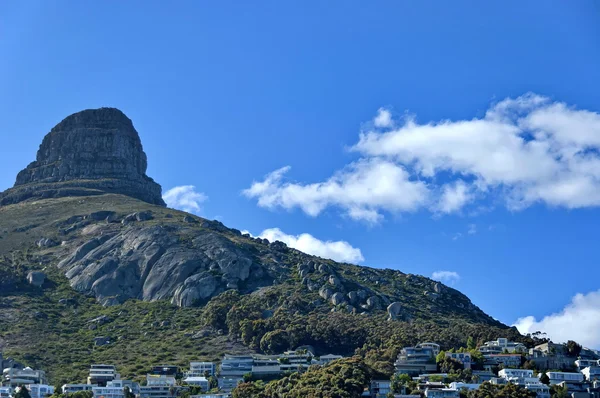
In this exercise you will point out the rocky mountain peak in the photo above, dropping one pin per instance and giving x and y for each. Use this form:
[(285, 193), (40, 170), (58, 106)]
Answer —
[(90, 152)]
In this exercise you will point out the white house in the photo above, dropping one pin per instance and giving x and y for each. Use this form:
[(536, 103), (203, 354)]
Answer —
[(541, 390), (236, 366), (462, 357), (113, 389), (591, 373), (559, 377), (199, 369), (14, 377), (325, 359), (40, 390), (101, 374), (5, 392), (457, 385), (442, 393), (158, 386), (199, 381), (502, 345), (71, 388), (515, 373), (380, 388)]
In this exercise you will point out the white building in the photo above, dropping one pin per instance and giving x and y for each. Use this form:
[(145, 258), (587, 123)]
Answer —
[(199, 381), (502, 345), (541, 390), (434, 347), (559, 377), (14, 377), (236, 366), (515, 373), (591, 373), (457, 385), (442, 393), (200, 369), (380, 388), (5, 392), (462, 357), (71, 388), (265, 366), (325, 359), (101, 374), (158, 386), (113, 389), (584, 363), (229, 383), (40, 390)]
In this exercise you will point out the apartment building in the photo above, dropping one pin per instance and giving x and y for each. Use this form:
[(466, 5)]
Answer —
[(101, 374)]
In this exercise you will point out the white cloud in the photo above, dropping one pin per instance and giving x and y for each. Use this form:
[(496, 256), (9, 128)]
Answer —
[(454, 196), (362, 190), (472, 229), (447, 277), (185, 198), (383, 118), (336, 250), (579, 321), (523, 151)]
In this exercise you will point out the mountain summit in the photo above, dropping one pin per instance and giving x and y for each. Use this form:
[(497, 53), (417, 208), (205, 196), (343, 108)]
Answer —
[(91, 152)]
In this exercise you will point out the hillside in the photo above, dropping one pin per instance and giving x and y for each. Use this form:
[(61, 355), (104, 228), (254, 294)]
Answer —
[(164, 286)]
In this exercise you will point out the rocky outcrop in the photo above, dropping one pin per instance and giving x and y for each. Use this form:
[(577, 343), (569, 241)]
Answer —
[(156, 263), (91, 152), (36, 278)]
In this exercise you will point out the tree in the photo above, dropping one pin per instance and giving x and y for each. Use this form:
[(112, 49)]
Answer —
[(23, 392), (471, 343), (544, 379), (573, 349), (127, 393), (248, 390), (82, 394)]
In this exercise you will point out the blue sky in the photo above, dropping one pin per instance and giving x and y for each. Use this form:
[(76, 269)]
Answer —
[(458, 137)]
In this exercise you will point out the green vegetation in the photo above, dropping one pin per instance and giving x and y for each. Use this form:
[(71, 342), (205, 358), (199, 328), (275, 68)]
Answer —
[(345, 378), (52, 326)]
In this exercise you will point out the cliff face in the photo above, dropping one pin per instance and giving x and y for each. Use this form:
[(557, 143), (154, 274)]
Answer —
[(91, 152)]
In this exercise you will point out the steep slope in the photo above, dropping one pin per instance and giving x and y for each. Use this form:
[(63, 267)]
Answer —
[(164, 286)]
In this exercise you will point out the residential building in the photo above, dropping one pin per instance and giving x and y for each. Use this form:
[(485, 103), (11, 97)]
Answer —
[(227, 384), (13, 377), (502, 345), (464, 386), (5, 392), (159, 386), (506, 360), (541, 390), (380, 388), (584, 363), (509, 374), (483, 375), (295, 361), (236, 366), (462, 357), (265, 366), (442, 393), (591, 373), (101, 374), (165, 370), (200, 369), (325, 359), (40, 390), (71, 388), (559, 377), (416, 360), (112, 389), (434, 347), (199, 381)]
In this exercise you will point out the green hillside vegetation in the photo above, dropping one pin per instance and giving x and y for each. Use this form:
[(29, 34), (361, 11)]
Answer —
[(52, 327)]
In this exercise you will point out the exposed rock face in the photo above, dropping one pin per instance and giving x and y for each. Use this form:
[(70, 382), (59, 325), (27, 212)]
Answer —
[(91, 152), (152, 263), (36, 278)]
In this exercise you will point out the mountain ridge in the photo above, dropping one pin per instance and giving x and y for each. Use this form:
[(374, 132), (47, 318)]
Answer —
[(161, 274)]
